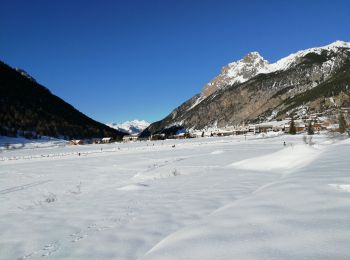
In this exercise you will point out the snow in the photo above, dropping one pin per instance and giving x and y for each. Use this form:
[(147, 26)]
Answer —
[(291, 158), (295, 217), (206, 198), (23, 143), (130, 127), (198, 100), (341, 187), (237, 70), (293, 58)]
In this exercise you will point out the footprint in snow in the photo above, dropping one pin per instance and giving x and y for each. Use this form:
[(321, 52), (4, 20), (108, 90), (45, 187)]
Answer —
[(51, 248), (75, 237)]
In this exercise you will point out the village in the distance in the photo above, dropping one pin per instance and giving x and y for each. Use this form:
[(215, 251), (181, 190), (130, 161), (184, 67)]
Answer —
[(330, 122)]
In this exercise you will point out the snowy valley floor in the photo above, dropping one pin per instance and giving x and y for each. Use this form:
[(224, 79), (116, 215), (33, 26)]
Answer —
[(207, 198)]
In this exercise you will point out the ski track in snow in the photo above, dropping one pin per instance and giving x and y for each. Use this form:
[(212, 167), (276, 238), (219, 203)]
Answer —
[(22, 187), (91, 230)]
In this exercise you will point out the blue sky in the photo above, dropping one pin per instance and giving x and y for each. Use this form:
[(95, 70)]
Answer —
[(121, 60)]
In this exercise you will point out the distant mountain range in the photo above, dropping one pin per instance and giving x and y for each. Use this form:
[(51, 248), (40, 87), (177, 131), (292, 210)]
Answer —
[(249, 90), (131, 127), (30, 109), (253, 90)]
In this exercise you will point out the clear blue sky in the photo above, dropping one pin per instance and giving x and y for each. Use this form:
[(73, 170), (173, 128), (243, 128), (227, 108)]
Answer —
[(120, 60)]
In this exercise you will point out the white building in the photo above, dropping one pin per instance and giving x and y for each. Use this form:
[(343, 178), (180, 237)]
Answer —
[(106, 140), (130, 138)]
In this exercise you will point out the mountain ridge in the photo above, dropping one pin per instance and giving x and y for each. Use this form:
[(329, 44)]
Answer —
[(30, 109), (236, 100), (130, 127)]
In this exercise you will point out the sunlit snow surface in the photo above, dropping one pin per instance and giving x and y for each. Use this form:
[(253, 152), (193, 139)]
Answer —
[(206, 198)]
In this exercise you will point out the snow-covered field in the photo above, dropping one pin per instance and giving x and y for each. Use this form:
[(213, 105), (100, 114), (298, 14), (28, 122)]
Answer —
[(206, 198)]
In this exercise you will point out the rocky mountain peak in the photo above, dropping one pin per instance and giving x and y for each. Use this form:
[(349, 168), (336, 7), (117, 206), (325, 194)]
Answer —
[(253, 64), (341, 44), (237, 72), (253, 57)]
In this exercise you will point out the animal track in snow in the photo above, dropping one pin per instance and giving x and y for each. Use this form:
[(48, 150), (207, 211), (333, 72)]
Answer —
[(50, 249)]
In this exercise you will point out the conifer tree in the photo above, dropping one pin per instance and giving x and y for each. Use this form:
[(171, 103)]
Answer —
[(292, 129), (310, 129)]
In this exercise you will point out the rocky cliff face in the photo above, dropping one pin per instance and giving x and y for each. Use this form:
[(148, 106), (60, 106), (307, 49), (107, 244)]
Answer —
[(252, 90)]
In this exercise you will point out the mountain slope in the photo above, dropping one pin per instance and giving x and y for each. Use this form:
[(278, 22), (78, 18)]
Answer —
[(131, 127), (252, 90), (28, 107)]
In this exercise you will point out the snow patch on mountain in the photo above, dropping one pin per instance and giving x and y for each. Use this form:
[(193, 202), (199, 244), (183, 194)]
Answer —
[(246, 68), (130, 127), (293, 58), (25, 74)]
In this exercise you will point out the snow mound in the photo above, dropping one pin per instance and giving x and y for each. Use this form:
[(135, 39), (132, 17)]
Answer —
[(294, 217), (290, 158), (11, 143), (217, 152), (132, 187), (269, 135), (341, 187)]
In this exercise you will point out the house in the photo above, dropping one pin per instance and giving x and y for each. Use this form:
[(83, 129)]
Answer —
[(318, 127), (226, 133), (129, 138), (300, 127), (157, 137), (240, 131), (265, 128), (333, 127), (313, 117), (179, 136), (279, 128), (106, 140), (253, 129), (96, 140), (76, 142)]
